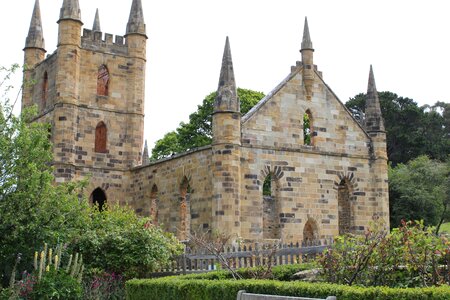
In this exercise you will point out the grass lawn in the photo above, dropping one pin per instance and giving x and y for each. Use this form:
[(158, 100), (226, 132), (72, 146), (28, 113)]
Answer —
[(445, 227)]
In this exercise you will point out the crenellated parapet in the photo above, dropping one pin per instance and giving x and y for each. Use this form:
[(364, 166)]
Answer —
[(105, 42)]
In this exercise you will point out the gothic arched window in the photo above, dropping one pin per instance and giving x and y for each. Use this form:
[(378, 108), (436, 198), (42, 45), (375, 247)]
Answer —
[(308, 133), (101, 133), (103, 81), (154, 204), (44, 90), (344, 207), (185, 209), (271, 220)]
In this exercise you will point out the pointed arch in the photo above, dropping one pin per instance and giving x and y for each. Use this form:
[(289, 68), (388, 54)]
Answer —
[(154, 209), (98, 198), (308, 131), (344, 207), (310, 232), (271, 202), (103, 79), (44, 90), (101, 137), (185, 209)]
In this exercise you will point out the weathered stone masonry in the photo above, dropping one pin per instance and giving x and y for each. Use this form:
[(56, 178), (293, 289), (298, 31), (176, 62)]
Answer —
[(91, 90)]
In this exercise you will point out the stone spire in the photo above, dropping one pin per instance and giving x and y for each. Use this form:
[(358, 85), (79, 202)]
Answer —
[(70, 11), (374, 120), (35, 38), (306, 42), (136, 22), (96, 26), (227, 99), (145, 156)]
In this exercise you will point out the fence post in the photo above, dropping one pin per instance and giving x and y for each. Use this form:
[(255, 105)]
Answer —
[(183, 262)]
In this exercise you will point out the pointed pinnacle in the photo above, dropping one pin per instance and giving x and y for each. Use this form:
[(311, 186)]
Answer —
[(136, 22), (70, 11), (145, 157), (227, 72), (374, 120), (371, 85), (35, 38), (306, 42), (227, 99), (96, 26)]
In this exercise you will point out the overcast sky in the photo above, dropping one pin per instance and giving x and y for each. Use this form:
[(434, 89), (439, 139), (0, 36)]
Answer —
[(407, 42)]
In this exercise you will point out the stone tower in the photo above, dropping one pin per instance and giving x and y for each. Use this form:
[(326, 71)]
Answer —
[(91, 91), (226, 127)]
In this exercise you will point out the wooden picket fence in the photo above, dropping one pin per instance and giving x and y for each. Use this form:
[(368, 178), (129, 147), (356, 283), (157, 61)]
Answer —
[(246, 256)]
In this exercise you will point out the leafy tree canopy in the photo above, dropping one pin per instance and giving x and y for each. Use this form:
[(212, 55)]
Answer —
[(420, 190), (411, 130), (198, 132)]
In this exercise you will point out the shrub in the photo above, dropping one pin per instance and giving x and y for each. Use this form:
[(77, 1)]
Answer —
[(118, 241)]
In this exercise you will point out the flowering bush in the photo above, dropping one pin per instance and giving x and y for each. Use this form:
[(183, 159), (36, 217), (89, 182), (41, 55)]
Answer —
[(102, 285)]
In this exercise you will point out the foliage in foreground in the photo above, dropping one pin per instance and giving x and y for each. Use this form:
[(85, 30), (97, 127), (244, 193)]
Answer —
[(50, 279), (198, 131), (410, 256), (33, 209), (193, 288)]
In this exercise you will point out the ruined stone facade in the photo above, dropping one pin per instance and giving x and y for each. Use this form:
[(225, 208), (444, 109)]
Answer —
[(325, 172)]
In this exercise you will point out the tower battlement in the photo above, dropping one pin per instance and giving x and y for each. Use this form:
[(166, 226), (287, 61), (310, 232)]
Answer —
[(97, 40)]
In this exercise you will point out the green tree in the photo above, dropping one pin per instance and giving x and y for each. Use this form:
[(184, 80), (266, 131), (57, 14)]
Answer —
[(411, 130), (198, 132), (33, 209), (419, 190)]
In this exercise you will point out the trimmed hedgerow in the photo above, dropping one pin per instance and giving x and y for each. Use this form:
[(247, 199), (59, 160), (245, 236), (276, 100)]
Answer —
[(193, 287), (283, 273)]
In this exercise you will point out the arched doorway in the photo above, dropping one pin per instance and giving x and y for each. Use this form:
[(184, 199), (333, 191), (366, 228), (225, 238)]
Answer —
[(344, 207), (98, 198)]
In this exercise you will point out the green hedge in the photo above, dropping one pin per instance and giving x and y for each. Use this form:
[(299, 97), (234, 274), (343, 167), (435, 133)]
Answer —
[(193, 287)]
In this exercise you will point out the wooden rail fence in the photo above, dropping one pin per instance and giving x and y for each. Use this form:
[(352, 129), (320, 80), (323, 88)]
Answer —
[(245, 256)]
